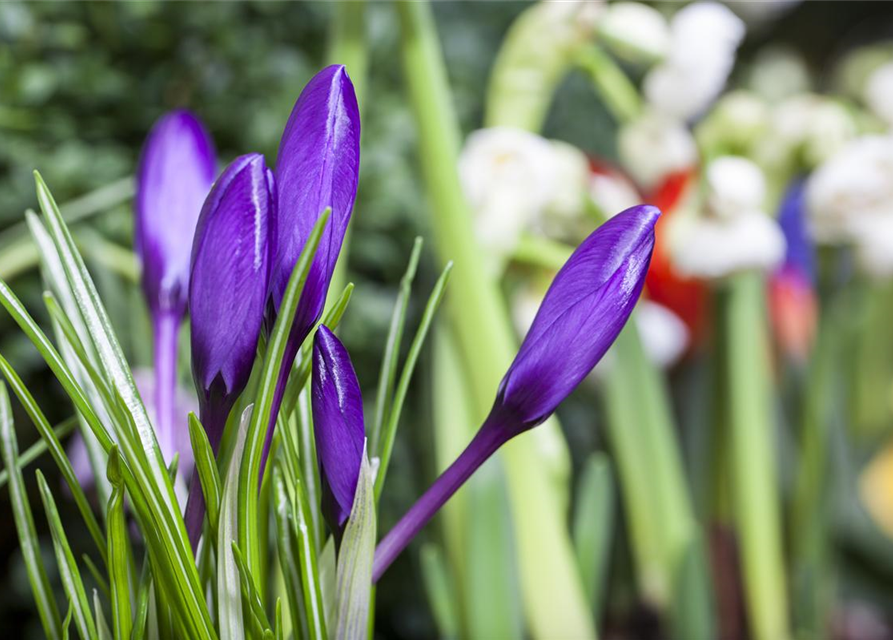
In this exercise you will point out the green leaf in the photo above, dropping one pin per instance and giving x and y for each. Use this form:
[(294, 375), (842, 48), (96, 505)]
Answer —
[(249, 540), (37, 449), (250, 596), (390, 430), (229, 594), (144, 594), (327, 574), (206, 465), (57, 452), (287, 546), (388, 372), (102, 627), (68, 569), (354, 573), (441, 595), (593, 527), (24, 521), (119, 551), (101, 582), (151, 490)]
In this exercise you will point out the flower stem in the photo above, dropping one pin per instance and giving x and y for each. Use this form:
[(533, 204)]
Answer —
[(166, 326), (481, 447)]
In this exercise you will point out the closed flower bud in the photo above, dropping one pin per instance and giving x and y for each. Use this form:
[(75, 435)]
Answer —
[(337, 425), (227, 297)]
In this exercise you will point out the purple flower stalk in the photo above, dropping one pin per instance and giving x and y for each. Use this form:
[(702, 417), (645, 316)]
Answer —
[(176, 170), (338, 427), (584, 310), (317, 168), (231, 260)]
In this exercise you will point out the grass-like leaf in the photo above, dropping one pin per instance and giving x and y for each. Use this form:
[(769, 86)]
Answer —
[(288, 556), (102, 627), (441, 595), (68, 569), (250, 597), (119, 552), (354, 573), (206, 465), (390, 428), (37, 449), (229, 591), (392, 349), (24, 521), (158, 509), (593, 527), (57, 452), (249, 517)]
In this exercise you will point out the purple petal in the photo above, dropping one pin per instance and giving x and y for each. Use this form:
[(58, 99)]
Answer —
[(317, 167), (230, 274), (800, 255), (338, 425), (176, 170), (584, 310)]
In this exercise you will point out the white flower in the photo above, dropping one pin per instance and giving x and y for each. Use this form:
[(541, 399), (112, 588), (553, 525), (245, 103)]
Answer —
[(653, 146), (878, 92), (778, 73), (704, 37), (812, 126), (710, 248), (508, 176), (851, 192), (635, 31), (612, 193), (562, 214), (874, 248), (735, 186), (664, 335)]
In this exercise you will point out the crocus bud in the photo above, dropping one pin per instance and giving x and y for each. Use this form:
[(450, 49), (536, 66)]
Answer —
[(317, 168), (585, 308), (176, 170), (337, 426), (227, 296)]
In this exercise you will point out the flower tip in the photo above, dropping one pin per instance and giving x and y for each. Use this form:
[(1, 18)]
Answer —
[(648, 213)]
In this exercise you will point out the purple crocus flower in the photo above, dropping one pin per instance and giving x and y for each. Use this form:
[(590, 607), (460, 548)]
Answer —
[(317, 168), (227, 297), (338, 426), (176, 170), (584, 310)]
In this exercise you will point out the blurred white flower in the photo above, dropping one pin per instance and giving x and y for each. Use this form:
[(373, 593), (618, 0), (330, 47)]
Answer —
[(874, 248), (508, 176), (634, 31), (811, 126), (778, 73), (710, 248), (703, 40), (655, 145), (562, 215), (664, 335), (850, 194), (878, 92), (735, 186), (612, 193)]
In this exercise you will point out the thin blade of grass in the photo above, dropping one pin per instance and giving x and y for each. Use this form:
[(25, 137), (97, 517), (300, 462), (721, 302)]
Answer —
[(390, 430), (102, 627), (593, 526), (249, 517), (288, 556), (208, 476), (68, 569), (24, 521), (37, 449), (250, 596), (388, 373), (119, 552)]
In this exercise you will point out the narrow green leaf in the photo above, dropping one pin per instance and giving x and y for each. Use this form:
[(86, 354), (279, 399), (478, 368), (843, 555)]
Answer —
[(286, 540), (159, 508), (311, 571), (249, 540), (37, 449), (57, 452), (68, 569), (119, 552), (101, 582), (441, 595), (66, 624), (390, 429), (250, 596), (327, 574), (280, 629), (229, 594), (144, 593), (593, 527), (102, 627), (388, 373), (24, 521), (206, 464), (354, 572)]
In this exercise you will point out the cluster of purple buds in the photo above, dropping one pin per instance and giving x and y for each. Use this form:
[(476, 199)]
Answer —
[(235, 258)]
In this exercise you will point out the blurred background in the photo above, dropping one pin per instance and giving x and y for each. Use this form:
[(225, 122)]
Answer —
[(82, 83)]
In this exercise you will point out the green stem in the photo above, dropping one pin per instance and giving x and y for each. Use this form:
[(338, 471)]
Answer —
[(551, 586), (754, 474)]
